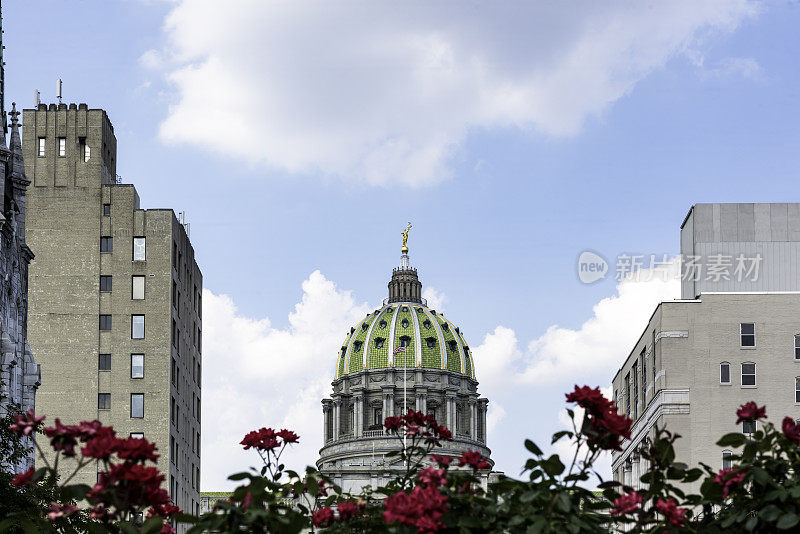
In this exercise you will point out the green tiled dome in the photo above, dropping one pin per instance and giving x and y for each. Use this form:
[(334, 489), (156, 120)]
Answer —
[(431, 341)]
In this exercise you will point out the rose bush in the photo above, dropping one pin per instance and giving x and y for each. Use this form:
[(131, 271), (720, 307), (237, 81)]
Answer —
[(432, 493)]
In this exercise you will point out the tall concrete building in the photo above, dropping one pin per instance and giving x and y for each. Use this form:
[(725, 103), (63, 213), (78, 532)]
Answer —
[(732, 338), (19, 372), (402, 356), (115, 295)]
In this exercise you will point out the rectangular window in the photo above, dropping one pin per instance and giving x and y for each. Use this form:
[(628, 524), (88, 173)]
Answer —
[(62, 147), (137, 435), (106, 244), (104, 401), (797, 346), (643, 358), (137, 326), (139, 249), (42, 147), (173, 371), (172, 409), (726, 460), (797, 389), (103, 362), (748, 334), (198, 409), (105, 323), (174, 294), (725, 373), (172, 455), (137, 287), (106, 210), (137, 365), (635, 390), (628, 395), (87, 153), (198, 444), (137, 405), (748, 427), (748, 374), (105, 282)]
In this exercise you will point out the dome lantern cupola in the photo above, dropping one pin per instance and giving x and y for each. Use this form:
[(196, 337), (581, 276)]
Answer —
[(405, 285)]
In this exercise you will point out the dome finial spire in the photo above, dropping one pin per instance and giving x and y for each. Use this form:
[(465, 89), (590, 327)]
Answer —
[(404, 233)]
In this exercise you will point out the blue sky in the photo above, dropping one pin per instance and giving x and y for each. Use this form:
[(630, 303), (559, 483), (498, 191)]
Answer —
[(255, 122)]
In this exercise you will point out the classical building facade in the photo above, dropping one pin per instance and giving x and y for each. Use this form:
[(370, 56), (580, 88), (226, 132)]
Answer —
[(19, 372), (732, 338), (115, 295), (432, 373)]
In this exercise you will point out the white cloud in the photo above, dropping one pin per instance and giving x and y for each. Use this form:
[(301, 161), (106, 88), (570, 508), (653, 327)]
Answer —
[(384, 93), (256, 375), (435, 298)]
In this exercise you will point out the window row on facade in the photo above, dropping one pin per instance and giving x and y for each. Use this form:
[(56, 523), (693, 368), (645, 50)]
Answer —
[(137, 325), (137, 364), (61, 143), (137, 285), (139, 246), (137, 404)]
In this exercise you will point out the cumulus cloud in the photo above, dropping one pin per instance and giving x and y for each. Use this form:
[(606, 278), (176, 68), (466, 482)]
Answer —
[(256, 375), (435, 298), (384, 93), (744, 67)]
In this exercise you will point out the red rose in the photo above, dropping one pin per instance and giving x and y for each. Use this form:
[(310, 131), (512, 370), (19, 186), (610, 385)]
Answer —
[(625, 504), (349, 510), (728, 478), (442, 461), (323, 517), (288, 436), (63, 437), (136, 450), (791, 430), (23, 479), (608, 427), (102, 445), (392, 423), (473, 459), (422, 508), (431, 476), (676, 516), (60, 510), (264, 439), (25, 424), (750, 412)]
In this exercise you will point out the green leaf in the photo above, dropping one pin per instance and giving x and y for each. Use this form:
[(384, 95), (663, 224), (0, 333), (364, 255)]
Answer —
[(770, 513), (558, 435), (553, 466), (151, 525), (734, 439), (751, 523), (788, 521), (239, 476), (531, 446)]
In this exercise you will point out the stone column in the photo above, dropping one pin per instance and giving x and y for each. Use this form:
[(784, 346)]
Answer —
[(473, 420), (450, 411), (337, 405), (358, 412), (326, 420)]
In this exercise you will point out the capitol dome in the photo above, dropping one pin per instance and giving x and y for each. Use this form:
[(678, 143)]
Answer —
[(402, 356), (426, 337)]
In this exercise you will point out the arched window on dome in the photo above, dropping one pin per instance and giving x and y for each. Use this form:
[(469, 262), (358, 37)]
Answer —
[(357, 345), (379, 342), (427, 324), (404, 324), (405, 341), (453, 345), (431, 342), (382, 324), (445, 327)]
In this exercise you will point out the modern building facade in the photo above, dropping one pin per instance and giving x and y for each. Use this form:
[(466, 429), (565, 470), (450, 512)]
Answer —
[(433, 373), (732, 338), (115, 295), (19, 373)]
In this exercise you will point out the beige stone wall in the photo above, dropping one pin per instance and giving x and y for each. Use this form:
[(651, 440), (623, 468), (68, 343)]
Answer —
[(695, 338), (65, 223)]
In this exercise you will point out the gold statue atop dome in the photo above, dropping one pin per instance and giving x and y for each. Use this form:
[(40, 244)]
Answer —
[(404, 233)]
